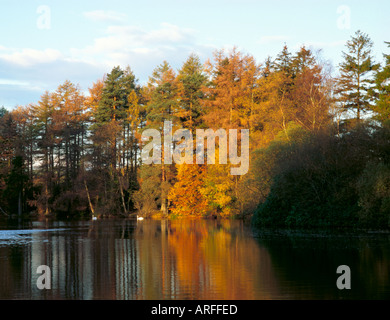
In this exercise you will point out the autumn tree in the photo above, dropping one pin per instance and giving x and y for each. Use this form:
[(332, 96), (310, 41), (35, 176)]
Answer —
[(27, 133), (60, 130), (69, 125), (72, 154), (292, 92), (229, 96), (186, 195), (230, 103), (95, 95), (312, 91), (273, 110), (292, 89)]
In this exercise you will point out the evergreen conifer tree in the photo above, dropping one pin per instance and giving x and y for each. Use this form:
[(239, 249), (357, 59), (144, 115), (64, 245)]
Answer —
[(355, 84)]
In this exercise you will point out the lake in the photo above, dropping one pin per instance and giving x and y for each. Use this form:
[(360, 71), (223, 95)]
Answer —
[(188, 259)]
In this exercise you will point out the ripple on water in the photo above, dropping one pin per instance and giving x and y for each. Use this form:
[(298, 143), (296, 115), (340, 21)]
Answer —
[(21, 237)]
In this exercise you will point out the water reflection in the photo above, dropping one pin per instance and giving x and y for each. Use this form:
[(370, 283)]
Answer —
[(186, 259), (305, 264)]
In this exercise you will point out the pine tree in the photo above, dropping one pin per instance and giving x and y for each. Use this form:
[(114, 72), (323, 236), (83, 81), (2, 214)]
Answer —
[(382, 80), (112, 111), (162, 87), (113, 98), (3, 111), (267, 67), (302, 60), (355, 84), (163, 106), (191, 80), (131, 122), (8, 138), (15, 192), (284, 62), (43, 112)]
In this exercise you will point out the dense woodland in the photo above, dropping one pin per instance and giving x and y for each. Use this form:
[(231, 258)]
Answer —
[(319, 142)]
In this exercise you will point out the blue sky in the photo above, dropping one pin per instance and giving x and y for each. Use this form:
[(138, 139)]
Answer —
[(45, 42)]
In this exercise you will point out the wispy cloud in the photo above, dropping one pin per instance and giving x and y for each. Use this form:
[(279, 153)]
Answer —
[(137, 47), (13, 82), (27, 57), (23, 70), (26, 73)]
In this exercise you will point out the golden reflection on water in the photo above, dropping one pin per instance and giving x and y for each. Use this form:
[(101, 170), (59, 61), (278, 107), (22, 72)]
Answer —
[(197, 259), (207, 260)]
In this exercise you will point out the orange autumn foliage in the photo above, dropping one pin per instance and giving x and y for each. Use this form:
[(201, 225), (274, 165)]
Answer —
[(185, 195)]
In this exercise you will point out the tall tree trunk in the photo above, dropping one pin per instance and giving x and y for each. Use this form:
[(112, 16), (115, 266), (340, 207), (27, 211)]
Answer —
[(20, 204), (122, 194), (89, 198), (46, 201), (164, 208)]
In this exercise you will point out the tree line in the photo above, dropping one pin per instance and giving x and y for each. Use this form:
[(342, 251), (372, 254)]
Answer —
[(319, 143)]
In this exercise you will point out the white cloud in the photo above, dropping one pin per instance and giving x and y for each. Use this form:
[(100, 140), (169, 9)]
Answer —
[(26, 69), (25, 74), (167, 33), (13, 82), (105, 16), (28, 57), (170, 33), (131, 45)]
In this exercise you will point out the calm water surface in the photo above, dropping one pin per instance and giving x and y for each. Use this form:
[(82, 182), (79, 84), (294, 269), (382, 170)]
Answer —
[(188, 259)]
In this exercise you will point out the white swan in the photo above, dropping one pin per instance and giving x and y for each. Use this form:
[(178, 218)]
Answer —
[(140, 218)]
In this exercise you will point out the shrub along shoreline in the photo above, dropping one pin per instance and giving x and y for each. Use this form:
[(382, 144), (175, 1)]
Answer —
[(332, 181)]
